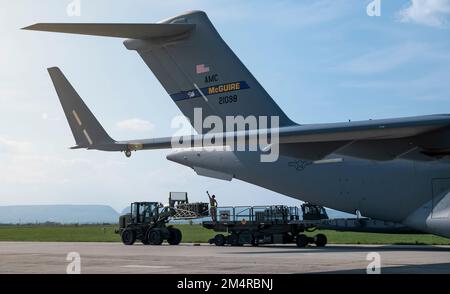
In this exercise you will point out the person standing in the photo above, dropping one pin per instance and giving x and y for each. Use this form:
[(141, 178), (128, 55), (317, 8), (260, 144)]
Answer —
[(213, 206)]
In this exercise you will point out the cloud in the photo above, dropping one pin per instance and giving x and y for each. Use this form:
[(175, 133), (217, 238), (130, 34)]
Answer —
[(46, 116), (384, 60), (13, 146), (135, 124), (284, 13), (432, 13), (429, 86)]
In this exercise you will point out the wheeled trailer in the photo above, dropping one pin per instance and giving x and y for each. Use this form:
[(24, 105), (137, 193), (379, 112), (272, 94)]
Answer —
[(281, 225), (257, 225)]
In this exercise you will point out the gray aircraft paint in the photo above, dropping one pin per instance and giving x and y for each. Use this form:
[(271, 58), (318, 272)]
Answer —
[(175, 63), (393, 169), (391, 191)]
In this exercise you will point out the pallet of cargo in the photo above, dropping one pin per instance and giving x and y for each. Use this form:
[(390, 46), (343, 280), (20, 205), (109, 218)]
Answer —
[(278, 224), (255, 225)]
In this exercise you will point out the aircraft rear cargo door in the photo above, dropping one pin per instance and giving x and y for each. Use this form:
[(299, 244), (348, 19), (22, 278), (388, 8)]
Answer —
[(441, 198)]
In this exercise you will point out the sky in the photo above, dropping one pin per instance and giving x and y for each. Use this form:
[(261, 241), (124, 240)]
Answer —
[(322, 61)]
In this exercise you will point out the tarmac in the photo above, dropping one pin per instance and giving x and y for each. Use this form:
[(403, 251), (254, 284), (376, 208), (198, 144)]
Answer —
[(115, 258)]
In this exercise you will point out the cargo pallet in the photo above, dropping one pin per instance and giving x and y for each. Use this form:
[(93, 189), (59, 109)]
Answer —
[(280, 224), (257, 225)]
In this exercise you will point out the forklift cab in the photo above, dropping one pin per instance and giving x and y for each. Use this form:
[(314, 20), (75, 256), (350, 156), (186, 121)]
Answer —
[(144, 212)]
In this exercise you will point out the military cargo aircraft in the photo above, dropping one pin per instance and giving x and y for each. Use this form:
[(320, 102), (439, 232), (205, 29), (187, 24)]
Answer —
[(391, 169)]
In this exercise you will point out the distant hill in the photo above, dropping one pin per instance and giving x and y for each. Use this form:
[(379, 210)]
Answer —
[(82, 214), (126, 210)]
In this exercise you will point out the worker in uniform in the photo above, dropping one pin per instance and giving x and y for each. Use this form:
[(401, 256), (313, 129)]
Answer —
[(213, 206)]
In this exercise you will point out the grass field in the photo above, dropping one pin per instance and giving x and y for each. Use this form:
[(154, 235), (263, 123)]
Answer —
[(88, 233), (191, 234)]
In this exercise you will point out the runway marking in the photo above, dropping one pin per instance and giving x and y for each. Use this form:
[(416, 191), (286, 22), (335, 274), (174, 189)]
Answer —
[(147, 266)]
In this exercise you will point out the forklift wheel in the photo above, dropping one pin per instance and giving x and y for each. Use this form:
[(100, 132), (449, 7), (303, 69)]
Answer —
[(302, 240), (219, 240), (154, 237), (128, 237), (174, 236), (320, 240)]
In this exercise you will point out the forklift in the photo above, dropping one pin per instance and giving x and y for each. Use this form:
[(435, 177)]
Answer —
[(147, 222)]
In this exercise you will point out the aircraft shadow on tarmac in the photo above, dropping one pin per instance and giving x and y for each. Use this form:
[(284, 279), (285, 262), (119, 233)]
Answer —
[(436, 268), (334, 249)]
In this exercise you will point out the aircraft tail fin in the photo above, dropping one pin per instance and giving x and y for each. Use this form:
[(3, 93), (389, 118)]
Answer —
[(200, 71), (86, 129), (194, 65)]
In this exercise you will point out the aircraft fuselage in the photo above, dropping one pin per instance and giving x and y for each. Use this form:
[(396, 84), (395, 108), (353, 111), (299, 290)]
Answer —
[(414, 193)]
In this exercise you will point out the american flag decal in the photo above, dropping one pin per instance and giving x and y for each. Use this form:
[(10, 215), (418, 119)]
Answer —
[(201, 69)]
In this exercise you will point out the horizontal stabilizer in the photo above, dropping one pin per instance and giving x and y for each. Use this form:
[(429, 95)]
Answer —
[(119, 30), (87, 131)]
